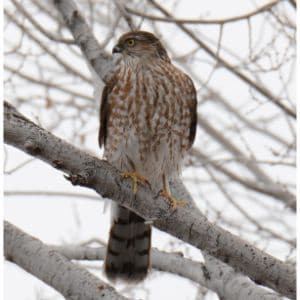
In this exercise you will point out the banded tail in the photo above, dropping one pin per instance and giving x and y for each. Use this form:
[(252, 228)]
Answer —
[(128, 249)]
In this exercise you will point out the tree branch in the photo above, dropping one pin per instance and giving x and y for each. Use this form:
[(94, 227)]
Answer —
[(47, 83), (186, 223), (51, 194), (45, 263), (125, 15), (245, 16), (101, 62), (293, 3), (212, 274)]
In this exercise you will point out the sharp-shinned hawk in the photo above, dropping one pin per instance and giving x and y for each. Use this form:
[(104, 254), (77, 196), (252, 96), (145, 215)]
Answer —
[(147, 125)]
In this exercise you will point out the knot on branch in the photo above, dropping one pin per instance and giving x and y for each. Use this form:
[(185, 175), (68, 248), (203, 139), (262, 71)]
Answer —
[(82, 178), (206, 273), (58, 164), (32, 148)]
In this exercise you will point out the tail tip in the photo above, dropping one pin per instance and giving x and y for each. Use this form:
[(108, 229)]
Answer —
[(126, 273)]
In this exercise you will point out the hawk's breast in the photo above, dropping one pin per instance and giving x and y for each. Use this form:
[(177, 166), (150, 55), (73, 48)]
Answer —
[(149, 113)]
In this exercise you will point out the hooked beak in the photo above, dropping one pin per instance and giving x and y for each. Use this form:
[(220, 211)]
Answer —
[(117, 49)]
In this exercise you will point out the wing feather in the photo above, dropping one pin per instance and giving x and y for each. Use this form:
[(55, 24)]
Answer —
[(103, 118), (193, 113), (105, 112)]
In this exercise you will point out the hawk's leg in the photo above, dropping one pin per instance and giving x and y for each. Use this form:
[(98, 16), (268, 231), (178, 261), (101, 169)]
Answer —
[(136, 178), (166, 193)]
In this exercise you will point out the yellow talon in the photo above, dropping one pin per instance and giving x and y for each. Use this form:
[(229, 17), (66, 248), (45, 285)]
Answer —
[(137, 178), (173, 201)]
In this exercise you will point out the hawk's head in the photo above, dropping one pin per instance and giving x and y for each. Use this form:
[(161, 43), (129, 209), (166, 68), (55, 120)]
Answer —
[(140, 44)]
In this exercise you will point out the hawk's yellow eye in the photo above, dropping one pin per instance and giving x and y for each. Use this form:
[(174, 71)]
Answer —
[(131, 42)]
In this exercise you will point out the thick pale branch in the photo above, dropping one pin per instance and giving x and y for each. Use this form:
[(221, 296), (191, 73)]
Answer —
[(84, 38), (186, 223), (54, 269), (212, 274)]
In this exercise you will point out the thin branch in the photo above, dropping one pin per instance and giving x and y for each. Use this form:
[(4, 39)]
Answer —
[(18, 167), (245, 213), (125, 15), (38, 26), (48, 84), (72, 281), (51, 194), (246, 16), (186, 223), (293, 3), (274, 163)]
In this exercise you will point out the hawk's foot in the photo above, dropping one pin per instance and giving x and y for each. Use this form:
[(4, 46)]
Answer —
[(173, 201), (136, 178)]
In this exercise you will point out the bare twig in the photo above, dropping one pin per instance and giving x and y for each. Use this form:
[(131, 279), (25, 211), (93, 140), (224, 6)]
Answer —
[(51, 194), (125, 15)]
